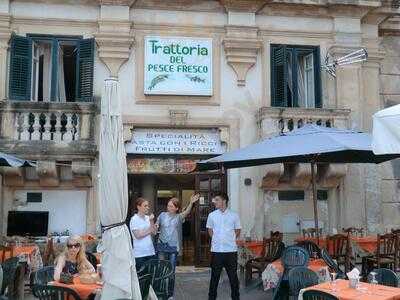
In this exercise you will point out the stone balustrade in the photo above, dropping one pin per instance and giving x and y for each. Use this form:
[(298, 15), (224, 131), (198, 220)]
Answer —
[(274, 120), (41, 121)]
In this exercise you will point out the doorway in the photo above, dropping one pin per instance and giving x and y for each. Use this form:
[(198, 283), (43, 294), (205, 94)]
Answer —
[(159, 188)]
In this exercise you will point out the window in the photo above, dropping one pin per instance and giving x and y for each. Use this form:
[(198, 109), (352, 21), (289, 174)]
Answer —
[(295, 76), (51, 68), (291, 195), (33, 197)]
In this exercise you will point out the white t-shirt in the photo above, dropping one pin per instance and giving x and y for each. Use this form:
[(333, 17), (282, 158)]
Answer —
[(144, 246), (223, 225)]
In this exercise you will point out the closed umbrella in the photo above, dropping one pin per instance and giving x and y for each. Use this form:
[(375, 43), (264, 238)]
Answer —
[(309, 144), (118, 265), (386, 131)]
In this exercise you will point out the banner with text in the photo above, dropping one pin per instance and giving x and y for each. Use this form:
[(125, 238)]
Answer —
[(175, 141), (177, 66)]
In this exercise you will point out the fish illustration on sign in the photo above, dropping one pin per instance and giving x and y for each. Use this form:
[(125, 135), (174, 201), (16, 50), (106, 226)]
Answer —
[(195, 78), (156, 80)]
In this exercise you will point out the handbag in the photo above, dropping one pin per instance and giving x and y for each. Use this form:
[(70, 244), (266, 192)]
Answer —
[(164, 247), (66, 278)]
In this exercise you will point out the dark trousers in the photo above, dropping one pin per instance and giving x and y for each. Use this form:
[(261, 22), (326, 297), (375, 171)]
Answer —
[(228, 261), (141, 260)]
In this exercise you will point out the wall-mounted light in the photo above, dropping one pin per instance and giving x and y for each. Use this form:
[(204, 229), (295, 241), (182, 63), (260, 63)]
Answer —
[(247, 181)]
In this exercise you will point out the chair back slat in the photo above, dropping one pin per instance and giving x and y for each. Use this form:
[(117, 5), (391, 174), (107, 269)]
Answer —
[(311, 232), (49, 292), (300, 278), (385, 277), (318, 295)]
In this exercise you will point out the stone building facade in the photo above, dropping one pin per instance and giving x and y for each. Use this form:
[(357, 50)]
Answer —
[(255, 93)]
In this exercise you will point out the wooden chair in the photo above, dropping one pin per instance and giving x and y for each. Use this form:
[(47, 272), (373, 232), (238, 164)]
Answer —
[(338, 246), (277, 234), (354, 231), (272, 250), (397, 233), (5, 252), (311, 232), (386, 254)]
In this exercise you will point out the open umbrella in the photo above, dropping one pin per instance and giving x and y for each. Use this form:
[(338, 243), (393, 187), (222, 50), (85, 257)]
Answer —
[(386, 131), (7, 160), (118, 265), (309, 144)]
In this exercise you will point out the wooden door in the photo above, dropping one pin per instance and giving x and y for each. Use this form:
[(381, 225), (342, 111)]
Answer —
[(207, 185)]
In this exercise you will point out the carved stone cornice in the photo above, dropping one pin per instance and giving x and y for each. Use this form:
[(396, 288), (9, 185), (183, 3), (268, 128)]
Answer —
[(241, 49), (5, 30), (117, 2), (81, 171), (114, 43), (244, 5)]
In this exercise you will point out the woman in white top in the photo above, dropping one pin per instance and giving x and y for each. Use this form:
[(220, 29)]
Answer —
[(142, 227)]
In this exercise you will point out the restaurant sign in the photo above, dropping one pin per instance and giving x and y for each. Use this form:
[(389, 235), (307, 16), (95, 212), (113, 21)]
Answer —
[(177, 66), (175, 141)]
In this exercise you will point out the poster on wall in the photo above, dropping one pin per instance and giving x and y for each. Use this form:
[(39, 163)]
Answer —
[(177, 66)]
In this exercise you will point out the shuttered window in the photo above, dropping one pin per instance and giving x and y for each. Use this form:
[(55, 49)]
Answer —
[(51, 68), (295, 76)]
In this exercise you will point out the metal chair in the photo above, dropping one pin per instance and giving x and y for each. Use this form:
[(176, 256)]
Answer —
[(300, 278), (162, 276), (49, 292), (9, 272), (331, 264), (272, 250), (311, 248), (41, 277), (318, 295), (385, 277)]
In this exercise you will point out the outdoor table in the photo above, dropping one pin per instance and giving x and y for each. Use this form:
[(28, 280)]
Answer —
[(247, 251), (365, 292), (273, 272), (361, 246), (83, 290)]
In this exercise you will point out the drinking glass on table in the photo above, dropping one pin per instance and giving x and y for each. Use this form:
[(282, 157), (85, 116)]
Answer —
[(373, 281), (333, 281)]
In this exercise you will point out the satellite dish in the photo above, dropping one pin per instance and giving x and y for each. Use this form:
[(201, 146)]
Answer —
[(354, 57)]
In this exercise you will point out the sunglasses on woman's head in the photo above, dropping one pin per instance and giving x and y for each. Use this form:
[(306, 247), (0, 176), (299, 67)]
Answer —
[(73, 245)]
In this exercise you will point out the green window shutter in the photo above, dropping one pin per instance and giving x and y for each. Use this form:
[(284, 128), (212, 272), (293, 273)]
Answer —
[(54, 70), (317, 78), (278, 76), (85, 63), (20, 68)]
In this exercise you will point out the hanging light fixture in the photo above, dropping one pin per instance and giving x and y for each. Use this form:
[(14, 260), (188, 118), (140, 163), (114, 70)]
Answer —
[(354, 57)]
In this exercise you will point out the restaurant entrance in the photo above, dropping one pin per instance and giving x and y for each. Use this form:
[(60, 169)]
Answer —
[(159, 188)]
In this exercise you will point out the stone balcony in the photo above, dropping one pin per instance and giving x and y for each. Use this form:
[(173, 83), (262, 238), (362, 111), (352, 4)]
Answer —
[(275, 120), (59, 136)]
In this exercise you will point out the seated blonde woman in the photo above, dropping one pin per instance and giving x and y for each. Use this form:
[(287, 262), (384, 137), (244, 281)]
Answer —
[(73, 259)]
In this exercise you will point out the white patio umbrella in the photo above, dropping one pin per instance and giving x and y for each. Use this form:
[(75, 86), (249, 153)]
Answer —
[(118, 265), (386, 131)]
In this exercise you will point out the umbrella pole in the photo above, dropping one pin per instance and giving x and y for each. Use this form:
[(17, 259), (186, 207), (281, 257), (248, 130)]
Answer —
[(314, 197)]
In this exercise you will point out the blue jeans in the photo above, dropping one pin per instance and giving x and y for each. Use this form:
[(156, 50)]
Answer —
[(172, 257)]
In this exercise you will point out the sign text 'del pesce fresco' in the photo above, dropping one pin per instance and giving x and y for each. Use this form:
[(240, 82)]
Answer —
[(178, 66)]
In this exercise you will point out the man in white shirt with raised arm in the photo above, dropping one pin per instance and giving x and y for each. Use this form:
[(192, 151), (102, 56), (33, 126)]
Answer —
[(223, 227)]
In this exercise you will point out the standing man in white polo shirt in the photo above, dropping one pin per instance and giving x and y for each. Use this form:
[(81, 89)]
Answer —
[(224, 228)]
